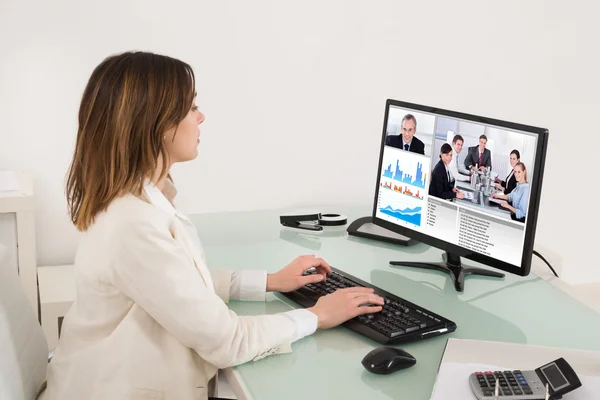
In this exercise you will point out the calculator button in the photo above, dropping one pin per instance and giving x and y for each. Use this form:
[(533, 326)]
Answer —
[(518, 392), (527, 390), (507, 392), (487, 392)]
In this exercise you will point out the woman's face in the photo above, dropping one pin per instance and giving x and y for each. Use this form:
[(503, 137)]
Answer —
[(520, 174), (447, 158), (183, 145), (513, 160)]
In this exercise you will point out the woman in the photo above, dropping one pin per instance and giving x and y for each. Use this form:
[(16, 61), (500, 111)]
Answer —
[(519, 198), (507, 186), (149, 319), (442, 182)]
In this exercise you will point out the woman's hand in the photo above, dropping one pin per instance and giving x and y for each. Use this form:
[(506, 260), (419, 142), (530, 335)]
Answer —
[(460, 195), (508, 207), (345, 304), (290, 277), (499, 187)]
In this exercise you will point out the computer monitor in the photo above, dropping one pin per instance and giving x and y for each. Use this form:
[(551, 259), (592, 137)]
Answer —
[(466, 184)]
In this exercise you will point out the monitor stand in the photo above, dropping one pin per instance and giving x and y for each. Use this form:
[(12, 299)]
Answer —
[(452, 266), (364, 227)]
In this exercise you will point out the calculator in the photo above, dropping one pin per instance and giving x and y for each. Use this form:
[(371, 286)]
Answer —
[(526, 385)]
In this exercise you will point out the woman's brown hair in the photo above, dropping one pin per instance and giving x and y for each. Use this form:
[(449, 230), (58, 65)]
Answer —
[(129, 103)]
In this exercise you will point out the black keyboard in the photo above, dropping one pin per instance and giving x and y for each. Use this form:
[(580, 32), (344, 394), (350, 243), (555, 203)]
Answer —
[(400, 321)]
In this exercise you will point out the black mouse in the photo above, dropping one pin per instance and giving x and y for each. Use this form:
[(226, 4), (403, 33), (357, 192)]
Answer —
[(385, 360)]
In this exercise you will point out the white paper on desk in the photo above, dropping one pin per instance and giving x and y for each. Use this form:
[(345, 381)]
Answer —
[(468, 195), (497, 201), (452, 382), (8, 181)]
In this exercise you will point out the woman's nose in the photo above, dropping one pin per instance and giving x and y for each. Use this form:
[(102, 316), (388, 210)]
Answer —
[(201, 118)]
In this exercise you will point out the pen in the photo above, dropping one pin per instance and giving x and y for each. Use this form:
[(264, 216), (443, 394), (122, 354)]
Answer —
[(547, 392), (496, 393)]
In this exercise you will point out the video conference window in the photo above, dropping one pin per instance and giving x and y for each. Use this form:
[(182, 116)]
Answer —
[(410, 131), (459, 181)]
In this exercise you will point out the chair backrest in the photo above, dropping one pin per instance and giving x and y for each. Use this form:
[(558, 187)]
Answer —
[(23, 346)]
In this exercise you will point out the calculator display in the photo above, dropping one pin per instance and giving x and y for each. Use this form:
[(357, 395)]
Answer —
[(556, 379)]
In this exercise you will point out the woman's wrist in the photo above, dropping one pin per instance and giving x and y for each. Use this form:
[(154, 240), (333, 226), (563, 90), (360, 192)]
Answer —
[(273, 283), (315, 311)]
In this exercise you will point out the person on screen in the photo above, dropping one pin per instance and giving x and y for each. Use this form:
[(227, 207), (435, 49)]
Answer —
[(150, 320), (407, 140), (510, 182), (519, 197), (442, 181), (457, 168), (479, 156)]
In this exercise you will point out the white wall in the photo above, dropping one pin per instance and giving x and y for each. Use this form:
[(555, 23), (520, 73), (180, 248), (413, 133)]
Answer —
[(279, 80)]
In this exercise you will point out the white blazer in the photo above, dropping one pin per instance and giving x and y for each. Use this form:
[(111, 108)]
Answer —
[(149, 321)]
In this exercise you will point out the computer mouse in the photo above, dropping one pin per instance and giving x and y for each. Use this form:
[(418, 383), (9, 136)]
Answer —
[(385, 360)]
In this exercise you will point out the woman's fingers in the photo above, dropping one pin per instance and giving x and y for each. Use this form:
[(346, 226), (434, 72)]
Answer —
[(369, 298)]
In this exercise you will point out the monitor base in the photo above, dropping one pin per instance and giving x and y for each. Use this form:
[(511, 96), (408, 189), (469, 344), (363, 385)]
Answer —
[(453, 267), (364, 227)]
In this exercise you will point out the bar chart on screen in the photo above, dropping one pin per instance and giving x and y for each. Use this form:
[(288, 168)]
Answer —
[(405, 168)]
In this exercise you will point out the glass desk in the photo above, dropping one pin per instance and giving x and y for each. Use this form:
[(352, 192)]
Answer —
[(327, 365)]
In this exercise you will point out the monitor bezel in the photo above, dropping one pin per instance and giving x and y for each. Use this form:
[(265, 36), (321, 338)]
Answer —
[(535, 192)]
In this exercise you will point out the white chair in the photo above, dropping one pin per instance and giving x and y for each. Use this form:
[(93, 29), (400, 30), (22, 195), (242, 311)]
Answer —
[(57, 293), (24, 356)]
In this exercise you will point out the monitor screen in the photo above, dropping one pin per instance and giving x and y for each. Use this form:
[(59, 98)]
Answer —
[(464, 183)]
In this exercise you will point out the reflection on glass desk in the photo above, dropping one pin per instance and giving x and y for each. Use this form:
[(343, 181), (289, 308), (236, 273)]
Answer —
[(327, 365), (481, 202)]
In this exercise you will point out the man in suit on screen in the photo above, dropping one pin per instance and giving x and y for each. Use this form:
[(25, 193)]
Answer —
[(479, 156), (407, 140)]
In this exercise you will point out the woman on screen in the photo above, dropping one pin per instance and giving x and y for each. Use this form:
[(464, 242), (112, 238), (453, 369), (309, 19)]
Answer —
[(510, 182), (442, 181), (519, 197), (150, 320)]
